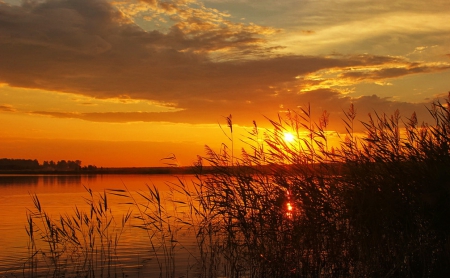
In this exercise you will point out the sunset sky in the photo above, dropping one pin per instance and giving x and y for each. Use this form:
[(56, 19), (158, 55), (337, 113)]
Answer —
[(127, 83)]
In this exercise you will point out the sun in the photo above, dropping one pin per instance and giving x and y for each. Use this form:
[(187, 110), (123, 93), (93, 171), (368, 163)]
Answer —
[(288, 137)]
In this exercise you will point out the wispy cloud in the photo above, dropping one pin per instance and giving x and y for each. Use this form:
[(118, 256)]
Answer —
[(7, 108), (331, 101)]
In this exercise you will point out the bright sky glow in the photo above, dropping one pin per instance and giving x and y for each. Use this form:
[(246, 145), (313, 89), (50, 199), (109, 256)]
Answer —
[(146, 78)]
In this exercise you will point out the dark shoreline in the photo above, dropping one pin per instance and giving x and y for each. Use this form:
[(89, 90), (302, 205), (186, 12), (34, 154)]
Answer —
[(328, 169), (101, 171)]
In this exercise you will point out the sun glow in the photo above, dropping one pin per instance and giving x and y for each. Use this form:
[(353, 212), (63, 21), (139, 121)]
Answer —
[(288, 137)]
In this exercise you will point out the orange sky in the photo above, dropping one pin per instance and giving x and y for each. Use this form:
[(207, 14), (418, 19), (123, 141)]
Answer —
[(127, 83)]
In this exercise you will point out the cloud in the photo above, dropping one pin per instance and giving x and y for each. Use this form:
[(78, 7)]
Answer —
[(348, 26), (88, 47), (7, 108), (318, 101), (375, 69), (392, 72), (202, 64), (198, 28), (308, 32)]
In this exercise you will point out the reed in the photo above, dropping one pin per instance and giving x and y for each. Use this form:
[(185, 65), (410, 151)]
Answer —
[(79, 244), (158, 215), (374, 206)]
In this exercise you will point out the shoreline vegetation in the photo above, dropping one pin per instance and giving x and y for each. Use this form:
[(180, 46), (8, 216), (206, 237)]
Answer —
[(332, 169), (104, 170), (376, 206)]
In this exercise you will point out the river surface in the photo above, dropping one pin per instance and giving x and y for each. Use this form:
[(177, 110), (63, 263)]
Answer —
[(139, 253)]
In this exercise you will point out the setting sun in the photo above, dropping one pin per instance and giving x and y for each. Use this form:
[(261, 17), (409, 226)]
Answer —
[(289, 137)]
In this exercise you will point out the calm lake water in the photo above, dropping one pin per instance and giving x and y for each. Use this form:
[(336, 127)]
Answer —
[(59, 194)]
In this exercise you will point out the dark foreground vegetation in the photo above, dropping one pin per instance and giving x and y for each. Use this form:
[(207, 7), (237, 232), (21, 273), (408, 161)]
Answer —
[(377, 206)]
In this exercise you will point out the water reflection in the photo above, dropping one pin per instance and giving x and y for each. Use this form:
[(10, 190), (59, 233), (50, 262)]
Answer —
[(61, 180), (48, 180), (7, 180), (59, 194), (76, 183)]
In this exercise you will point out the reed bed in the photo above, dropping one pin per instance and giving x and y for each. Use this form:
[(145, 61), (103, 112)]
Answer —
[(82, 244), (86, 243), (374, 206)]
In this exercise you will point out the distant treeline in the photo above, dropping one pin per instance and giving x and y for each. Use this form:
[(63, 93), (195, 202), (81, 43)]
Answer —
[(8, 165), (68, 166), (33, 164)]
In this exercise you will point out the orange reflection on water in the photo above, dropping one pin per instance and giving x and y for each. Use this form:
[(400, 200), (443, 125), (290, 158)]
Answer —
[(62, 195), (289, 210), (289, 206)]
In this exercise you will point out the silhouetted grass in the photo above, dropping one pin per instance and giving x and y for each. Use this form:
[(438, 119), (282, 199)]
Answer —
[(80, 244), (374, 206)]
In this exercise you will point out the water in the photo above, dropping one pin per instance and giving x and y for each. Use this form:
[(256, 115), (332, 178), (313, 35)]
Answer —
[(59, 194)]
